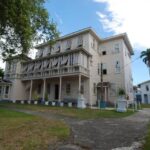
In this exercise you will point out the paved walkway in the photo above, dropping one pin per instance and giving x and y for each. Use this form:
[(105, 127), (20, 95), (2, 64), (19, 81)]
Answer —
[(102, 134)]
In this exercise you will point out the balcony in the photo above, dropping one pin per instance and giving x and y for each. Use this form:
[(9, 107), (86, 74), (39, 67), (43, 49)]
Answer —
[(55, 72)]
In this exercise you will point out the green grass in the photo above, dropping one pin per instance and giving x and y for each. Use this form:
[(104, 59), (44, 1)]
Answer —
[(145, 105), (72, 112), (20, 131), (147, 140)]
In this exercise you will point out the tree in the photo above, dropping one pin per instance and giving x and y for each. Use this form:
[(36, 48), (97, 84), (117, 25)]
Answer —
[(1, 73), (23, 22), (146, 57)]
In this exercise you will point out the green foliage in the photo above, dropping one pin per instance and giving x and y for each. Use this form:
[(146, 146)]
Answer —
[(1, 73), (35, 96), (147, 140), (46, 96), (146, 57), (121, 92), (23, 22)]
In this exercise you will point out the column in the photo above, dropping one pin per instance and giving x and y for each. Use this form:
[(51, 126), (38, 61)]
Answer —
[(79, 88), (105, 93), (44, 83), (30, 96), (60, 82)]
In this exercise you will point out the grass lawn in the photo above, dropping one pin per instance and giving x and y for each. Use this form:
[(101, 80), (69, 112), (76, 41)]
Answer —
[(147, 139), (72, 112), (145, 105), (20, 131)]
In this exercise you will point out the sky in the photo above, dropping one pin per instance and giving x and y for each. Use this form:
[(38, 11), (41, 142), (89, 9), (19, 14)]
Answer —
[(107, 18)]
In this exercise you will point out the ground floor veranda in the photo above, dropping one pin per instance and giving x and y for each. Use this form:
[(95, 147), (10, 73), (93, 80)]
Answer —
[(60, 88), (57, 88)]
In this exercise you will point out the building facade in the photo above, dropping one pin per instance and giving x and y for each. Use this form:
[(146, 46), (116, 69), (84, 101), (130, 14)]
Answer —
[(80, 63), (145, 92)]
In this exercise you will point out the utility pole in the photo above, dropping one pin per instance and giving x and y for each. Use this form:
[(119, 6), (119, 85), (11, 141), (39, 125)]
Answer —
[(101, 82)]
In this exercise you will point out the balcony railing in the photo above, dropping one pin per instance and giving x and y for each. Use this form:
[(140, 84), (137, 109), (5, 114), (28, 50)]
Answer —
[(67, 70)]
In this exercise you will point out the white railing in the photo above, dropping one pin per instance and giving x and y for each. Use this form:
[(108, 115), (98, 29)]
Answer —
[(67, 70)]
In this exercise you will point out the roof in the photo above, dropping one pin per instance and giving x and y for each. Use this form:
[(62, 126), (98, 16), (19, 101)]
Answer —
[(145, 82), (19, 56), (85, 30), (124, 36), (89, 29), (60, 54)]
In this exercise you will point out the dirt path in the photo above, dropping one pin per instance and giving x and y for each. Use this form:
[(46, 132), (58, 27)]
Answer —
[(102, 134)]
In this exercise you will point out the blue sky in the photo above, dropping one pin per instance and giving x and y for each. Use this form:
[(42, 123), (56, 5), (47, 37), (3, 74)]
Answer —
[(101, 15), (106, 17)]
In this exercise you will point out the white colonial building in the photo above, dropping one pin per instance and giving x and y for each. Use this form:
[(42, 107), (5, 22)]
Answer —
[(145, 92), (72, 67)]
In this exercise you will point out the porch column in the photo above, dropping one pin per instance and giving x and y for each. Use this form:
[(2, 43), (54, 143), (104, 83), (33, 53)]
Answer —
[(30, 96), (79, 88), (44, 83), (105, 93), (60, 82)]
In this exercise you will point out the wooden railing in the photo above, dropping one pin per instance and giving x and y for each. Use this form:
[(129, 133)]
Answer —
[(67, 70)]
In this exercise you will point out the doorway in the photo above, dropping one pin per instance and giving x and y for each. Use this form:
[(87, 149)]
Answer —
[(56, 91)]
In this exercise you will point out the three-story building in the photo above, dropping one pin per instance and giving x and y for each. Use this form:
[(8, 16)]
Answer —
[(71, 67)]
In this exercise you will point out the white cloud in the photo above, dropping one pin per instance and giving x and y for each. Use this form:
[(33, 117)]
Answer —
[(131, 16)]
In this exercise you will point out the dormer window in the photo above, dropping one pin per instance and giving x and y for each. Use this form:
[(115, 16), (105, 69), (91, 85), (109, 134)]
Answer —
[(68, 44), (103, 52), (80, 41)]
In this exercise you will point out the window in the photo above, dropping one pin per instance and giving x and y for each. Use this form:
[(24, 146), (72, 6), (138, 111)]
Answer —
[(117, 67), (93, 43), (80, 41), (103, 52), (68, 88), (117, 48), (7, 90), (147, 88), (68, 44), (58, 47), (104, 69), (94, 88)]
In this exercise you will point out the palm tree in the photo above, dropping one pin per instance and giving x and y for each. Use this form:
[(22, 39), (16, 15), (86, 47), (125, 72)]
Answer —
[(146, 57)]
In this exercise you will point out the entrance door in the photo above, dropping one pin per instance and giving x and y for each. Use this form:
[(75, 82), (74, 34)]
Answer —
[(56, 91), (145, 98)]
